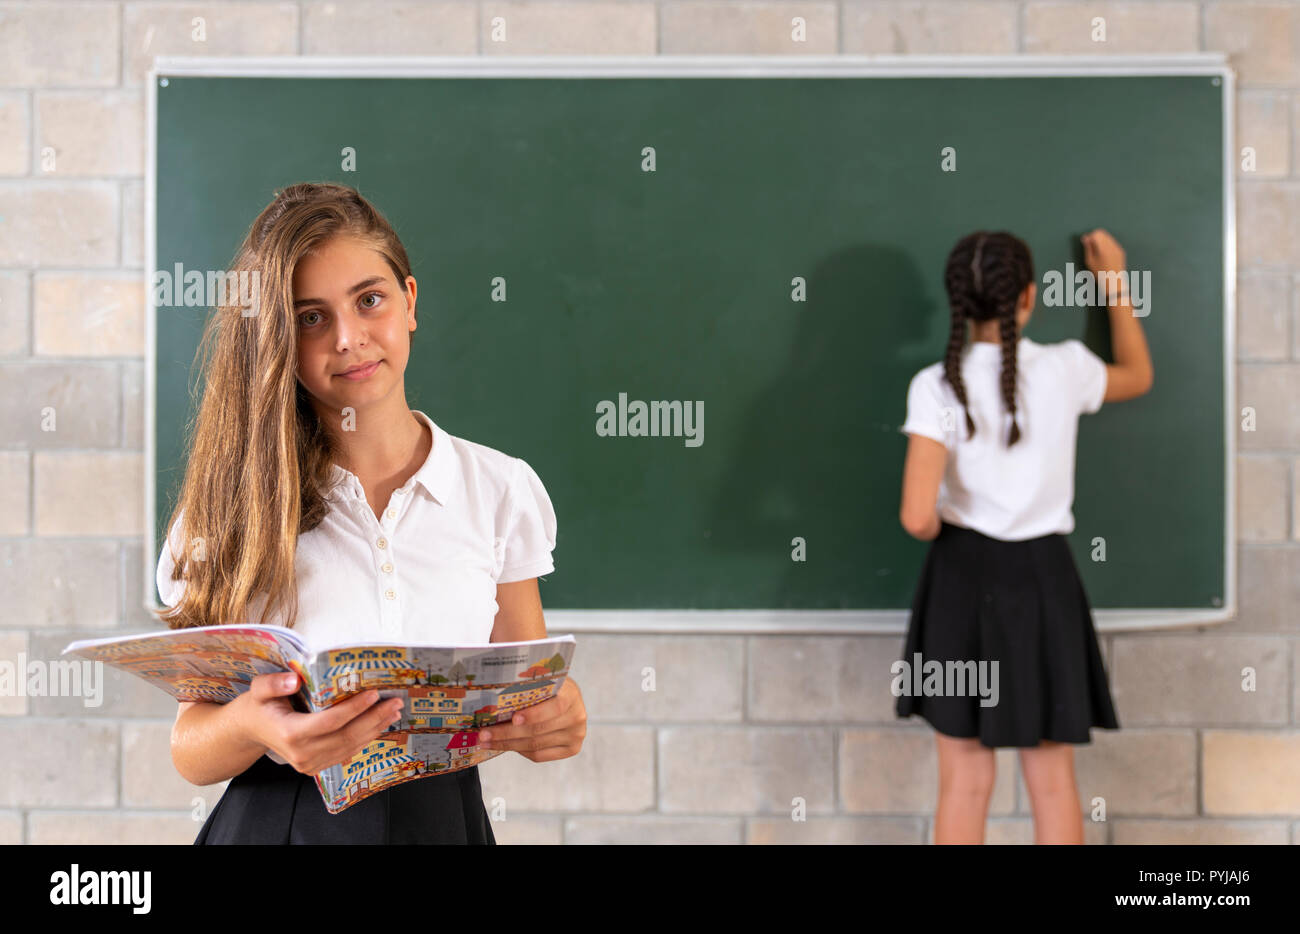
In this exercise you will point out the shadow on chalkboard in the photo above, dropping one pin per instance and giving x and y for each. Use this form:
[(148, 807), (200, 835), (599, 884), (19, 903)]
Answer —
[(819, 455)]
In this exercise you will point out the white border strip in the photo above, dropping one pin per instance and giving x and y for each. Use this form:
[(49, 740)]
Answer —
[(828, 66), (824, 622), (1229, 345), (150, 563), (699, 66)]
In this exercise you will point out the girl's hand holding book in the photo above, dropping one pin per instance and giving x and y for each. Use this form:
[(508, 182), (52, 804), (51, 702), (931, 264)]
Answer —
[(311, 742), (553, 729)]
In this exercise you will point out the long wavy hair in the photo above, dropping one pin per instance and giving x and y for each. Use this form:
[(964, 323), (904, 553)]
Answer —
[(985, 274), (258, 457)]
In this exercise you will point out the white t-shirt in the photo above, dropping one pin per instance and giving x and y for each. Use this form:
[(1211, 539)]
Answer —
[(425, 572), (1027, 490)]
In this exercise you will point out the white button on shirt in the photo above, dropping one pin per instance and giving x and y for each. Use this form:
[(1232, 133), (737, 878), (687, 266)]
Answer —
[(1027, 490), (426, 572)]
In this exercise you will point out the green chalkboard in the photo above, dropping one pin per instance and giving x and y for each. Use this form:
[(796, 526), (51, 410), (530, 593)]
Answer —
[(676, 285)]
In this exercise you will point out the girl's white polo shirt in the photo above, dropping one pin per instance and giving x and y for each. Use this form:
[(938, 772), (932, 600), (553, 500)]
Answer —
[(1026, 490), (425, 570)]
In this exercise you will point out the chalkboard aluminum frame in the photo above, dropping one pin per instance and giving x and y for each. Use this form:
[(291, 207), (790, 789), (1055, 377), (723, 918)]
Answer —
[(757, 622)]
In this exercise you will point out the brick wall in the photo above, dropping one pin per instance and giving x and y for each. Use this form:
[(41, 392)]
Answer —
[(1199, 760)]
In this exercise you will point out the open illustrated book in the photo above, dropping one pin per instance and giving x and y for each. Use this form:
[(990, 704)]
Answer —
[(450, 692)]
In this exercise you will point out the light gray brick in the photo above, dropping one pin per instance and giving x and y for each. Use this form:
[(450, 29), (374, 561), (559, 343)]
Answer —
[(1270, 390), (1004, 831), (1264, 124), (1130, 27), (231, 29), (1262, 40), (11, 828), (88, 828), (718, 27), (47, 44), (558, 27), (58, 764), (13, 651), (74, 687), (1200, 832), (89, 493), (695, 677), (1295, 132), (1196, 680), (896, 771), (614, 771), (15, 312), (1295, 682), (528, 830), (1250, 774), (133, 403), (1295, 317), (1262, 488), (90, 315), (150, 780), (121, 694), (91, 133), (1263, 316), (133, 225), (822, 678), (58, 585), (837, 830), (1268, 582), (653, 830), (78, 400), (427, 28), (1268, 228), (48, 223), (899, 26), (1142, 772), (15, 492), (730, 770), (15, 131)]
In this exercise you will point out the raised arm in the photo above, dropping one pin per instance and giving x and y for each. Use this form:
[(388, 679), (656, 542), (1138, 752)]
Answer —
[(1131, 374)]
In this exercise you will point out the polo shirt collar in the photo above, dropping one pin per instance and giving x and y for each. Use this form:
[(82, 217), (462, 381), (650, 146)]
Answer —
[(436, 476), (1025, 348)]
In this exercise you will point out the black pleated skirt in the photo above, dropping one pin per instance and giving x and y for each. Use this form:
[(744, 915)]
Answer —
[(1022, 604), (272, 803)]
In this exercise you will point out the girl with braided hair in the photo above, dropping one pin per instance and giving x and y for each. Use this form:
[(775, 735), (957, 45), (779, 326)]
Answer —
[(989, 481)]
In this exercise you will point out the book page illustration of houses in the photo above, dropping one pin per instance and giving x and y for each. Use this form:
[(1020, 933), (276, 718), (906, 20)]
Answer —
[(447, 703), (444, 689), (211, 666)]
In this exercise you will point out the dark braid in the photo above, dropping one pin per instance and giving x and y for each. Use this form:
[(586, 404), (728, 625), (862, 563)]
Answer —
[(985, 275)]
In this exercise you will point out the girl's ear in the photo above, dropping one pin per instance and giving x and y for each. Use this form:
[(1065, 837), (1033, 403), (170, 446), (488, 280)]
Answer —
[(409, 296), (1028, 297)]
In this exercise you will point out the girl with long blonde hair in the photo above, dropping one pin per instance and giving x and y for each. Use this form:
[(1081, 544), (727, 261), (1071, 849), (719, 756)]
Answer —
[(314, 498)]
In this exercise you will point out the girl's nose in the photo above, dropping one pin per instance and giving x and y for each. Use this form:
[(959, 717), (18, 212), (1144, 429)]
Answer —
[(351, 332)]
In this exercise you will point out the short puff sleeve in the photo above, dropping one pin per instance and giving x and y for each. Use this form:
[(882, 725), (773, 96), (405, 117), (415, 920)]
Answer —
[(930, 412), (170, 591), (529, 535), (1086, 373)]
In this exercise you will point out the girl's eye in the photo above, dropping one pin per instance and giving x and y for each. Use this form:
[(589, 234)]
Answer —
[(378, 297), (302, 318)]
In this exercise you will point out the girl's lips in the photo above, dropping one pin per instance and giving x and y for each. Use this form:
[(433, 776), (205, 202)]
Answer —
[(362, 373)]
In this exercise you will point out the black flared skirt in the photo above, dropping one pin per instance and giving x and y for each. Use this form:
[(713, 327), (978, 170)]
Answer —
[(1022, 605), (272, 803)]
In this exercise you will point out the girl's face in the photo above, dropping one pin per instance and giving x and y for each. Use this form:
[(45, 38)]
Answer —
[(351, 313)]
